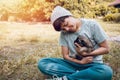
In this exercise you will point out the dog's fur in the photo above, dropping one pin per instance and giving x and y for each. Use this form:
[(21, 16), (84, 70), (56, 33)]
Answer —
[(86, 46)]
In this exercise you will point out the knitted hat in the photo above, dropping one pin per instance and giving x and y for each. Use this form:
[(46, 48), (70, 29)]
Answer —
[(59, 12)]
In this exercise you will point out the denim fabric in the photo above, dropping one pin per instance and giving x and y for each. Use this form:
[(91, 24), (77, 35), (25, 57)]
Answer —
[(74, 71)]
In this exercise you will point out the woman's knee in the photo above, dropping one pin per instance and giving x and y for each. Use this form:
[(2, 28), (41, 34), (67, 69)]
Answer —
[(109, 72), (106, 72), (101, 72), (42, 63), (45, 64)]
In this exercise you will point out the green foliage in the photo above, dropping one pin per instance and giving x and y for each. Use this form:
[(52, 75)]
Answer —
[(88, 8), (108, 17), (112, 17), (101, 10), (40, 10), (117, 17)]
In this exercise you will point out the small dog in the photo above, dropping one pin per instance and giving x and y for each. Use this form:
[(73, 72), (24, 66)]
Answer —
[(86, 46)]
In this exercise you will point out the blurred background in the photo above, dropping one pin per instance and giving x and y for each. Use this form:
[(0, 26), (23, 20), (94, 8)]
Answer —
[(40, 10), (26, 34)]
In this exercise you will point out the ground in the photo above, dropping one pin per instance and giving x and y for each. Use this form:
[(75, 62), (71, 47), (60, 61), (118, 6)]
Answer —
[(23, 44)]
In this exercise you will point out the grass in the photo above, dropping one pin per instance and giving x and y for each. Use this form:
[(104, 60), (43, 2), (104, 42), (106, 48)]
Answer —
[(23, 44), (113, 59), (112, 29)]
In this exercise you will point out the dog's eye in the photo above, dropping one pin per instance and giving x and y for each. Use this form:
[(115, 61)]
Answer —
[(83, 42)]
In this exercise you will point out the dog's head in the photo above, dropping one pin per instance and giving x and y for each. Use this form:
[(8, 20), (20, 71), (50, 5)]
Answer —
[(83, 41)]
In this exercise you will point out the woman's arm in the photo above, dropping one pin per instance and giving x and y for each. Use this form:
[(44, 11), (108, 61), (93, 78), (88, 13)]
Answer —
[(65, 53), (103, 49)]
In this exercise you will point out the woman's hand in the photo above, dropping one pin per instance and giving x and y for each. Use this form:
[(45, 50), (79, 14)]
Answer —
[(78, 47), (86, 60), (81, 50)]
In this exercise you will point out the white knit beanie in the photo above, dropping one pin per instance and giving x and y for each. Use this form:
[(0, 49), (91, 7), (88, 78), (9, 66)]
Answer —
[(59, 12)]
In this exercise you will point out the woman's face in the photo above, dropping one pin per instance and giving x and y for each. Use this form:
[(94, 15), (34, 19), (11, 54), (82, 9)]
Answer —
[(69, 25)]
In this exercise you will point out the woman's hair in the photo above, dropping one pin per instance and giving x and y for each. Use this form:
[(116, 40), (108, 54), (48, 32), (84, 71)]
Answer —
[(57, 23)]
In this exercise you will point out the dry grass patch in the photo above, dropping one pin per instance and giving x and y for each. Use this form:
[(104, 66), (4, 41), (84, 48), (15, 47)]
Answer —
[(112, 29), (22, 45)]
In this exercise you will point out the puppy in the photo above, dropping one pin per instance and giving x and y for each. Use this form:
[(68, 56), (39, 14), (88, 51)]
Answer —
[(86, 46)]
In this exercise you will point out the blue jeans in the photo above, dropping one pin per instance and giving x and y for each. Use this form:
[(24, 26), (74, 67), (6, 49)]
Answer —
[(74, 71)]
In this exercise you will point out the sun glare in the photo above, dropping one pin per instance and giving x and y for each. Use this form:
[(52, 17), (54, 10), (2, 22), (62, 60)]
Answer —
[(9, 2)]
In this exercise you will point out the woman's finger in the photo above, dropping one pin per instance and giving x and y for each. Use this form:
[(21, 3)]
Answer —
[(77, 45)]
